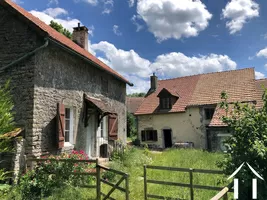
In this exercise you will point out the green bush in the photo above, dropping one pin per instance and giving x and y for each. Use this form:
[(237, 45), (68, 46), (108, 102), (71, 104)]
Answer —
[(248, 143), (6, 106), (53, 174), (6, 144)]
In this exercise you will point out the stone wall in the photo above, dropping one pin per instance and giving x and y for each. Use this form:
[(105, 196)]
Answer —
[(62, 77)]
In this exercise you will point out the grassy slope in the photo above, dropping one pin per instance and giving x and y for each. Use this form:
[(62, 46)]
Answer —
[(133, 164)]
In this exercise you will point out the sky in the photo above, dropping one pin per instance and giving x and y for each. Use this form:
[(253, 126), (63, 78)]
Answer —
[(171, 38)]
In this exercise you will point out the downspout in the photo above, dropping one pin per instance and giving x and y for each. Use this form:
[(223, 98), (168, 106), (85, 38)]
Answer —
[(87, 60), (25, 56)]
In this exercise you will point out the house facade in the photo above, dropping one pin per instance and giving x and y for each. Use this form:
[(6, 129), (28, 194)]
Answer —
[(184, 111), (64, 97)]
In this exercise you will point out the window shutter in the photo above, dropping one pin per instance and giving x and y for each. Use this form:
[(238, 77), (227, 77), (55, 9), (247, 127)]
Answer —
[(143, 135), (155, 135), (113, 126), (60, 124)]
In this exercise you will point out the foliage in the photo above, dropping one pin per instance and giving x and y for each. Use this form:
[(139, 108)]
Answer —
[(6, 144), (58, 27), (6, 106), (52, 174), (141, 94), (131, 125), (248, 143)]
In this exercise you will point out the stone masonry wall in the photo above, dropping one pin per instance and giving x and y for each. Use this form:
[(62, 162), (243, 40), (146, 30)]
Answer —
[(62, 77)]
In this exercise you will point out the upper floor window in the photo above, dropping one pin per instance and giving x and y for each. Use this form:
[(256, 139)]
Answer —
[(209, 113), (104, 85), (165, 103)]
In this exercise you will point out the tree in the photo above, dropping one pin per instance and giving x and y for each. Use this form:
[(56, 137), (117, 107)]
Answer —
[(58, 27), (141, 94), (131, 125), (6, 106), (248, 143)]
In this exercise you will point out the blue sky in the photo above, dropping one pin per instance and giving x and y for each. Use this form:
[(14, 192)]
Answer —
[(170, 37)]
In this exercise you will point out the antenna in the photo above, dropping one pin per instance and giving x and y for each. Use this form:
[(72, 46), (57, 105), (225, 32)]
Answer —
[(157, 69)]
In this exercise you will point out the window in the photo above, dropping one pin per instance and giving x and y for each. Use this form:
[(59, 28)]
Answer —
[(165, 103), (209, 113), (149, 135), (104, 85), (68, 125), (102, 128)]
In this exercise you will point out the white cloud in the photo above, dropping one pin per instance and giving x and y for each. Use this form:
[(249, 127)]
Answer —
[(265, 36), (169, 19), (108, 6), (262, 53), (140, 84), (55, 12), (131, 3), (259, 75), (134, 20), (265, 66), (250, 57), (50, 2), (91, 2), (239, 12), (116, 30), (177, 64), (125, 62)]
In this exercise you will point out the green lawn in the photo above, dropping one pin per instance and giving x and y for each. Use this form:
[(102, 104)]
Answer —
[(132, 163)]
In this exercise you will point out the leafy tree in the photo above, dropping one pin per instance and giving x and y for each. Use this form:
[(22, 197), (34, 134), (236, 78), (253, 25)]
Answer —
[(131, 125), (6, 106), (58, 27), (248, 143), (141, 94)]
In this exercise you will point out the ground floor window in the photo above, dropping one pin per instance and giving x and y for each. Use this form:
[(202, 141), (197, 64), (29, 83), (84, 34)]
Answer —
[(68, 125), (149, 135)]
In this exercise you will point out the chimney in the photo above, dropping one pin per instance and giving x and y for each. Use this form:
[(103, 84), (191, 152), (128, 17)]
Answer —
[(153, 83), (80, 36)]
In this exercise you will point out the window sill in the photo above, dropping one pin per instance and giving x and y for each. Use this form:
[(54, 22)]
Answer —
[(68, 146)]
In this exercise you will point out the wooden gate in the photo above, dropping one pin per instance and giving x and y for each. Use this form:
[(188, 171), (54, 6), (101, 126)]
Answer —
[(124, 177)]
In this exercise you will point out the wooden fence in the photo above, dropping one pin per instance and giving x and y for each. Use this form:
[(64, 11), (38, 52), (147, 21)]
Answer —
[(96, 173), (223, 194), (191, 186)]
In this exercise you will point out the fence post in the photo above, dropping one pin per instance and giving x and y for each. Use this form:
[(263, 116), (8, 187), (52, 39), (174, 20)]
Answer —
[(98, 182), (145, 183), (127, 187), (225, 197), (191, 184)]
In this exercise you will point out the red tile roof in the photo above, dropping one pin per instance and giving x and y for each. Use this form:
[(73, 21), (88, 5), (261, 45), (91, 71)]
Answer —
[(100, 104), (261, 84), (203, 89), (62, 39), (133, 103)]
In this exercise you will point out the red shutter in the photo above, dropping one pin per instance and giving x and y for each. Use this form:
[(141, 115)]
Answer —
[(60, 124), (113, 126)]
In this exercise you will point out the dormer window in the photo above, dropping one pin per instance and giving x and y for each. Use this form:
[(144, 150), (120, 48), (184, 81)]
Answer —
[(165, 103), (167, 98)]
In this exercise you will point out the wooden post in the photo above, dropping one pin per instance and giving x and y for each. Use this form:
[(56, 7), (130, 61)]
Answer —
[(145, 183), (98, 181), (191, 184), (127, 193), (225, 197)]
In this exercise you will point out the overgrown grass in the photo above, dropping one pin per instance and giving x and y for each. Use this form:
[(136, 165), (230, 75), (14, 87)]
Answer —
[(132, 163)]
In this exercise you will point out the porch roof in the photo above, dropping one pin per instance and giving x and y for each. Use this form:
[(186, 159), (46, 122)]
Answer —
[(100, 104)]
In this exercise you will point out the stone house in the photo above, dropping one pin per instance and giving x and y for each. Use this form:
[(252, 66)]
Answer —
[(64, 97), (184, 111)]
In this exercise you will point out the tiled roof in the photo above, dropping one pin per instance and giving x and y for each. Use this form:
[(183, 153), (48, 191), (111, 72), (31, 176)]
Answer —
[(203, 89), (133, 103), (216, 120), (62, 39), (183, 86), (100, 104)]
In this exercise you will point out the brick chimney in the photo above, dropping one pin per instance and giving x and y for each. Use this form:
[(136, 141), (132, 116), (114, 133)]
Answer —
[(153, 82), (80, 36)]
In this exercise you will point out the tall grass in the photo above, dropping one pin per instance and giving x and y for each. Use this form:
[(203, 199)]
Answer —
[(132, 163)]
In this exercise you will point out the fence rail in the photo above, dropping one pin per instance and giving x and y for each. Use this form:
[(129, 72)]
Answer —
[(189, 185), (223, 194)]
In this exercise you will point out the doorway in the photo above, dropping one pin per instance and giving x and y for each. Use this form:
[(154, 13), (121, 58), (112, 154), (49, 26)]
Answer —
[(103, 151), (167, 133)]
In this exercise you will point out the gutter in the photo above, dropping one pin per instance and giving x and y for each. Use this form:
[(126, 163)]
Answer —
[(87, 60), (25, 56)]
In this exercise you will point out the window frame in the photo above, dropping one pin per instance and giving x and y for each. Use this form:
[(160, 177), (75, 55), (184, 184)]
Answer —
[(150, 135), (209, 115), (103, 128), (165, 103), (71, 126)]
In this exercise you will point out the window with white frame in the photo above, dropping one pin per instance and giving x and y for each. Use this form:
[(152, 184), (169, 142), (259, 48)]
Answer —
[(68, 125), (103, 128)]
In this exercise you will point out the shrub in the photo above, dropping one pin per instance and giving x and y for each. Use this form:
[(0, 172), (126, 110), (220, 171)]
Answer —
[(52, 174), (248, 143), (6, 106)]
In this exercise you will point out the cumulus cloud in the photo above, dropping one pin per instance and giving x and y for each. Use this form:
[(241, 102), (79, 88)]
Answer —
[(177, 64), (108, 6), (55, 12), (135, 20), (259, 75), (50, 2), (262, 53), (125, 62), (116, 30), (169, 19), (91, 2), (239, 12), (131, 3)]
